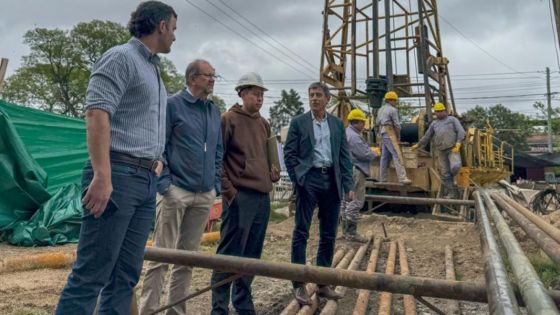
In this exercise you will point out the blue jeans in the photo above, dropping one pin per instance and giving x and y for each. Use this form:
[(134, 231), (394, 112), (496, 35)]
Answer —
[(111, 248)]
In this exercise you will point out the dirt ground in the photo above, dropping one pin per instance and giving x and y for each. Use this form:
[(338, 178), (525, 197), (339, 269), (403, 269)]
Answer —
[(36, 291)]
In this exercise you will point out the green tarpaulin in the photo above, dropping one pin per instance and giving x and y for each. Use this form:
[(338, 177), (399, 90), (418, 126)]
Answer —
[(41, 157)]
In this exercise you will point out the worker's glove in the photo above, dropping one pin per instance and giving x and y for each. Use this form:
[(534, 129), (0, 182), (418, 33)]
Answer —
[(376, 150), (414, 147), (456, 148)]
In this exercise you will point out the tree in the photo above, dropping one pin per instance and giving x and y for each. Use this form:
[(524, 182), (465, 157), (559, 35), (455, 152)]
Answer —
[(285, 109), (218, 101), (406, 111), (54, 76), (509, 126), (543, 115)]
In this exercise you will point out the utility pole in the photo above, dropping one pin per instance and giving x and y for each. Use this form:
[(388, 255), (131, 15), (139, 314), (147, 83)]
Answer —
[(549, 110), (3, 68)]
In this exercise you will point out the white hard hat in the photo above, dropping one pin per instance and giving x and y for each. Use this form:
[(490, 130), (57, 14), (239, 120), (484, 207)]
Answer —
[(250, 79)]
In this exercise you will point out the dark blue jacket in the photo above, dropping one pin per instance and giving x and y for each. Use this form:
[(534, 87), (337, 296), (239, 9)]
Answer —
[(193, 149), (299, 146)]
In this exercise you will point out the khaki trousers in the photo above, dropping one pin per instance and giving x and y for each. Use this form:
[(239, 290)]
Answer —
[(181, 217)]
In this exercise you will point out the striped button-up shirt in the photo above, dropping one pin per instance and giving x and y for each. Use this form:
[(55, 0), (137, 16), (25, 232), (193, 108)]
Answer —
[(126, 83)]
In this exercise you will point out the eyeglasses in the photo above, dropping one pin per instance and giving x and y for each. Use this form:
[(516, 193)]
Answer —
[(209, 75)]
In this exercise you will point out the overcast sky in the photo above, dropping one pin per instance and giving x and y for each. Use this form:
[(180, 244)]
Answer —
[(505, 38)]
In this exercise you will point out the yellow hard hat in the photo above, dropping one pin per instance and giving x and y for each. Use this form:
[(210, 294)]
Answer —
[(439, 106), (391, 95), (356, 114)]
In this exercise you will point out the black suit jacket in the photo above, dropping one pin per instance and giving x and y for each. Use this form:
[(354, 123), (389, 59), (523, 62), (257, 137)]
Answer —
[(299, 146)]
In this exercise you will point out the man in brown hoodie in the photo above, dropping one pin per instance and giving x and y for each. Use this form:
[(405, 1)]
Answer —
[(246, 184)]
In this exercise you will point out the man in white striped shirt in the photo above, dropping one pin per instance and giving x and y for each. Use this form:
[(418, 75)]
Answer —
[(125, 115)]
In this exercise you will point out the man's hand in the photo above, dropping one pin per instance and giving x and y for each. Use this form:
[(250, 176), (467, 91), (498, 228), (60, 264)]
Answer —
[(98, 194), (274, 174), (414, 147), (456, 148), (159, 168), (349, 196)]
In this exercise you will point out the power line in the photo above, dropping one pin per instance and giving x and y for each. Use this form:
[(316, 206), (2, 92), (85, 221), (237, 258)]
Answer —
[(267, 34), (478, 46), (247, 39), (260, 37), (502, 96)]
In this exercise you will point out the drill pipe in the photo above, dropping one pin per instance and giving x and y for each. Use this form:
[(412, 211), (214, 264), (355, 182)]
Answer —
[(418, 201), (458, 290), (293, 307), (532, 289), (452, 305), (332, 305), (501, 299), (546, 243), (537, 220), (310, 309), (363, 295), (408, 300), (385, 298)]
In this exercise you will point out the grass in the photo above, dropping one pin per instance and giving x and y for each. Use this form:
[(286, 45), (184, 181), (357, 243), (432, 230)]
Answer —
[(276, 216), (548, 271)]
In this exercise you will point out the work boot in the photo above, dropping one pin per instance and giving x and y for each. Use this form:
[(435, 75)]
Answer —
[(351, 233), (326, 292), (300, 294), (405, 181)]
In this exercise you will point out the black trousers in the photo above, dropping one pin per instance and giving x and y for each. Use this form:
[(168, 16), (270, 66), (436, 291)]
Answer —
[(243, 230), (319, 189)]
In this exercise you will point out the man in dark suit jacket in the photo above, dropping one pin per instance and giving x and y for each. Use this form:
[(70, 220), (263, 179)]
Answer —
[(319, 165)]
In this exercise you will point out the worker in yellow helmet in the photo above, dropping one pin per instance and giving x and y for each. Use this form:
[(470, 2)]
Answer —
[(361, 156), (388, 130), (447, 135)]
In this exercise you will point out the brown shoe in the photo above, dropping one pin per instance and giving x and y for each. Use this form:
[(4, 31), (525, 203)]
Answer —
[(328, 293), (301, 296)]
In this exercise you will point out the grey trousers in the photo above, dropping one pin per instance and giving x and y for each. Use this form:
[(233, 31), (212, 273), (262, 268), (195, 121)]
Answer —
[(387, 152), (351, 210), (445, 172), (181, 217)]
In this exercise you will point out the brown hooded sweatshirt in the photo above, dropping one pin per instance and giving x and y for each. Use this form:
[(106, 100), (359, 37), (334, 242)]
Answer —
[(245, 154)]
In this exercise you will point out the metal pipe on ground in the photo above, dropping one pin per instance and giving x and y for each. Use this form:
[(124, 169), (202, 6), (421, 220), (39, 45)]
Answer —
[(408, 300), (363, 295), (532, 290), (418, 200), (501, 299), (548, 228), (545, 242), (386, 297), (452, 305), (293, 307), (332, 305), (310, 309), (417, 286)]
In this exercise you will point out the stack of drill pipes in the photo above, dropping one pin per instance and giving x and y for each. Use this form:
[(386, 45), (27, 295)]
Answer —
[(332, 305), (452, 305), (545, 242), (534, 295), (293, 307), (310, 309), (408, 300), (363, 295), (537, 220), (386, 297)]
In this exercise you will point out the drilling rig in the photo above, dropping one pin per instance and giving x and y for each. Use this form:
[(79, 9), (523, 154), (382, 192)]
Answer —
[(373, 46)]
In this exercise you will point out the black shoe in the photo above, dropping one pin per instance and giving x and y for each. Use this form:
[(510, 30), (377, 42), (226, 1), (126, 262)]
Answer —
[(301, 296), (328, 293)]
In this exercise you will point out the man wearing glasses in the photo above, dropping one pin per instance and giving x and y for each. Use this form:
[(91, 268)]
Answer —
[(189, 182), (246, 184)]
